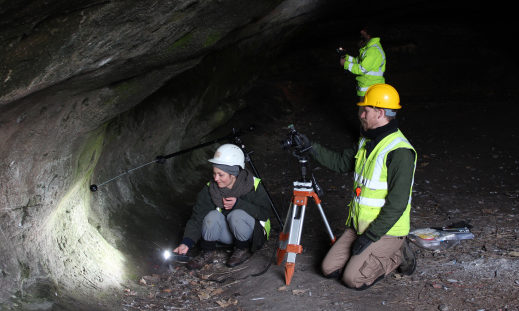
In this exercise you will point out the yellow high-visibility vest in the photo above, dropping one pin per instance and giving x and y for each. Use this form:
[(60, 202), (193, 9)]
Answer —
[(370, 185)]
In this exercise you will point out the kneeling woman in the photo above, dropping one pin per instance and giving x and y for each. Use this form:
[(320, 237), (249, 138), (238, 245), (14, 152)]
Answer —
[(232, 209)]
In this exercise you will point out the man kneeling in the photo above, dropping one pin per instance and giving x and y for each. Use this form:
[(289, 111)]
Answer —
[(374, 242)]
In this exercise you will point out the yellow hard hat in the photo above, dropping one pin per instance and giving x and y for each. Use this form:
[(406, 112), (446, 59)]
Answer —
[(381, 96)]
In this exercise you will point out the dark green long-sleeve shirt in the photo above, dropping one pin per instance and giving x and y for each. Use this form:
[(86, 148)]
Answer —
[(400, 170)]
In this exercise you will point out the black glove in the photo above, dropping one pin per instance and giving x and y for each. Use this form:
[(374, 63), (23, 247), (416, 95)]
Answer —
[(304, 141), (360, 244), (341, 52)]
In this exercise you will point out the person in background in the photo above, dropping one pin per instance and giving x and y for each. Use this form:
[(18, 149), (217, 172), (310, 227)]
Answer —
[(370, 64)]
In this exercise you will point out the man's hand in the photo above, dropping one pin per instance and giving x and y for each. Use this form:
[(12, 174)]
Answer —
[(360, 244), (341, 52), (228, 203), (181, 249), (304, 141)]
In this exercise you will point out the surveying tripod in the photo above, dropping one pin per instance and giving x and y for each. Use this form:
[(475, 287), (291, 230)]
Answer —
[(290, 238)]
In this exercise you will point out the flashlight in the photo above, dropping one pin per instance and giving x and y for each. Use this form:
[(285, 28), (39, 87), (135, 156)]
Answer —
[(166, 254), (174, 257)]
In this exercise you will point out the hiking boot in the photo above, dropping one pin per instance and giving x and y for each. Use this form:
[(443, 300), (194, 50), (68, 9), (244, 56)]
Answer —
[(408, 264), (204, 258), (334, 275), (239, 256), (364, 287)]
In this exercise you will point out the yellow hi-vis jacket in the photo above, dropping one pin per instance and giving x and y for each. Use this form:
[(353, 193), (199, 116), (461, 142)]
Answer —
[(369, 66), (371, 186)]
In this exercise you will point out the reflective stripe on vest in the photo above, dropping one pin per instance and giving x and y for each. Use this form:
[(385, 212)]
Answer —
[(374, 182), (266, 227), (371, 178), (256, 183), (378, 73)]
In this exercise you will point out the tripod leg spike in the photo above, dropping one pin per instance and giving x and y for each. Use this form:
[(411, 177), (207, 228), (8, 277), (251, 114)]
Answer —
[(289, 272)]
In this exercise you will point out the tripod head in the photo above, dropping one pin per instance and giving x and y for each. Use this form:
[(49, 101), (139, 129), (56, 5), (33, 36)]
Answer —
[(303, 164), (300, 148)]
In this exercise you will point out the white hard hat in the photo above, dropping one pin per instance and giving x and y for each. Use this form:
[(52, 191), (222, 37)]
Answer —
[(229, 154)]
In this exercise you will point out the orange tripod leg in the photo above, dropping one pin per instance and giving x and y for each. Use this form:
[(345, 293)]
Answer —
[(289, 272), (292, 250)]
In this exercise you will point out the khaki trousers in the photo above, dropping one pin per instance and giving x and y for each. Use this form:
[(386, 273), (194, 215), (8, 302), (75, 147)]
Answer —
[(379, 258)]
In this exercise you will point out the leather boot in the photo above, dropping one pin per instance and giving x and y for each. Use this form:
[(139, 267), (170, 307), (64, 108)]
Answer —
[(241, 253), (334, 275), (239, 256), (364, 287), (408, 264)]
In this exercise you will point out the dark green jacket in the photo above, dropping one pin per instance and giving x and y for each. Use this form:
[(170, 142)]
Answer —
[(255, 203), (400, 164)]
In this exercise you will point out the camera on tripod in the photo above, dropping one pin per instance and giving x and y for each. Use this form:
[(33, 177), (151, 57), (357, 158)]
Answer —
[(294, 140), (301, 144)]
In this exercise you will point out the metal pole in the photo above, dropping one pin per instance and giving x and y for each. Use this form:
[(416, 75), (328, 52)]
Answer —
[(161, 159)]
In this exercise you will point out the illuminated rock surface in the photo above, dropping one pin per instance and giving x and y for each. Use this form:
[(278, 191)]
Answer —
[(92, 89)]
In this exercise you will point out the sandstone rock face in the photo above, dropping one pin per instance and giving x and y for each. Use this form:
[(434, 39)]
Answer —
[(90, 89)]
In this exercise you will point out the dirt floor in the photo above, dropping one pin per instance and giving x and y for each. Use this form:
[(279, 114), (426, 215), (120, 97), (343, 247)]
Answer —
[(467, 171)]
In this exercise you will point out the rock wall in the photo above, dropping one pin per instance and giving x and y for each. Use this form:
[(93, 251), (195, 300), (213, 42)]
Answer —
[(93, 88)]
